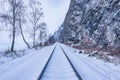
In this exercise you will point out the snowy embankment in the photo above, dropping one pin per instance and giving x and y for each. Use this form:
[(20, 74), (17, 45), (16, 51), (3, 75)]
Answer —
[(27, 67), (92, 68)]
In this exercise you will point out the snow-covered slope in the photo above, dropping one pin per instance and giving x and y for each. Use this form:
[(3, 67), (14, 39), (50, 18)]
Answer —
[(92, 68), (27, 67)]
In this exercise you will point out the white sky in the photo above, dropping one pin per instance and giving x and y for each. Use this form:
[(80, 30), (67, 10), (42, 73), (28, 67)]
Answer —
[(54, 12)]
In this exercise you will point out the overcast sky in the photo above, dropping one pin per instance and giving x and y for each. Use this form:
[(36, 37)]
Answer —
[(54, 12)]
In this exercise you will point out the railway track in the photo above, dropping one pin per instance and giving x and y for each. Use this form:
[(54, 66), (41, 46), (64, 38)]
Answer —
[(59, 67)]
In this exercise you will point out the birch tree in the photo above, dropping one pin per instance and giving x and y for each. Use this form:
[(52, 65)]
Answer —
[(11, 17), (22, 20), (35, 17)]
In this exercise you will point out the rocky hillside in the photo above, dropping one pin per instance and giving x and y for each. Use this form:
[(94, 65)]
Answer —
[(92, 23)]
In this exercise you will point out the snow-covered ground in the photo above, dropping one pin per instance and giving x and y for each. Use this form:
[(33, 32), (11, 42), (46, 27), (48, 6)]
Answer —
[(92, 68), (29, 66)]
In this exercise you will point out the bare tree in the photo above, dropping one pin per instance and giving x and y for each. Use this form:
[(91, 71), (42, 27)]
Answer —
[(11, 17), (35, 17), (13, 4), (15, 16), (22, 20)]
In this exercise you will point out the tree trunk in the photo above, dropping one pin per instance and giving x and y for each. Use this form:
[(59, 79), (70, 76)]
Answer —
[(23, 34), (13, 25), (34, 35), (13, 40)]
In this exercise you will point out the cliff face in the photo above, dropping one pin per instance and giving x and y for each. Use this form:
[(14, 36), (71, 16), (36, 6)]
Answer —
[(92, 22)]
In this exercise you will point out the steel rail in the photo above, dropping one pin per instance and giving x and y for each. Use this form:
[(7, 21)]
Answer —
[(76, 72), (41, 74)]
